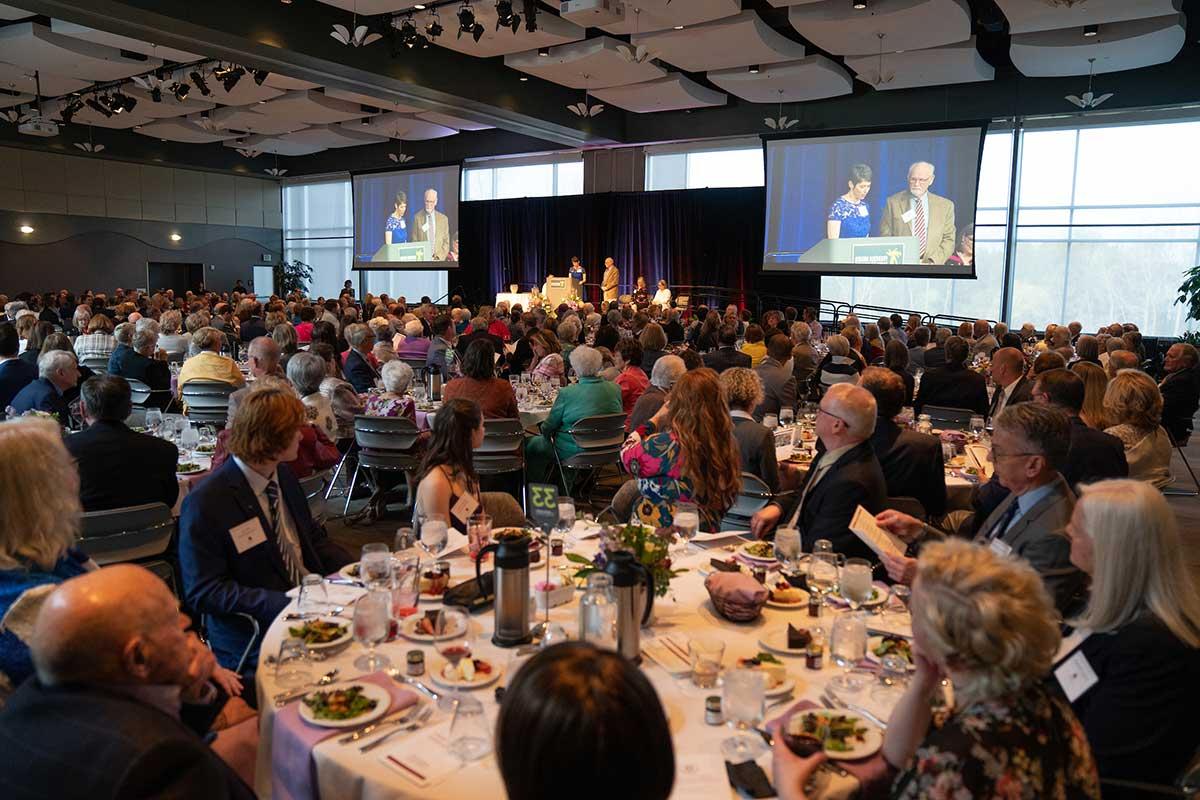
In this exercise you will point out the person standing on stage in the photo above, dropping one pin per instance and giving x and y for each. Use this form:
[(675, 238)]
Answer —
[(920, 213), (610, 280), (431, 225), (577, 272), (396, 231)]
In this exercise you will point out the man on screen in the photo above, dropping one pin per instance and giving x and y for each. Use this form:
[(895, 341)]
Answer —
[(431, 225), (920, 213)]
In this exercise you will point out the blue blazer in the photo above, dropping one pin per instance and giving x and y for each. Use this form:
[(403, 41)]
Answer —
[(219, 582), (15, 375), (40, 395), (359, 372), (118, 358)]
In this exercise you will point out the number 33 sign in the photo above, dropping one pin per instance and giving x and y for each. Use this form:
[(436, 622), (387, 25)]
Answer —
[(543, 504)]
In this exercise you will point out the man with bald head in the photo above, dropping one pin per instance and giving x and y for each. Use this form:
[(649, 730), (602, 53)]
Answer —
[(1180, 390), (844, 475), (104, 717), (262, 356), (1119, 360), (1008, 375), (920, 213)]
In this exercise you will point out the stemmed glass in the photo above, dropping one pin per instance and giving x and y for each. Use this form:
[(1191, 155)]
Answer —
[(822, 573), (742, 702), (372, 620), (452, 638), (848, 646), (154, 421), (375, 567), (189, 437), (686, 522), (787, 549), (855, 582)]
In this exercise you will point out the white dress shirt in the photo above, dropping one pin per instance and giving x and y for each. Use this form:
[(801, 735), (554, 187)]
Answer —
[(924, 201), (287, 527), (662, 297)]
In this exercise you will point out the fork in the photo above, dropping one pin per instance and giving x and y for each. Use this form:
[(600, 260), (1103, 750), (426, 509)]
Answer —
[(406, 715), (420, 720)]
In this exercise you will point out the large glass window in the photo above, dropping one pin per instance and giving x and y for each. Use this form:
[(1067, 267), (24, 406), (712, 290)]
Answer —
[(498, 182), (705, 169)]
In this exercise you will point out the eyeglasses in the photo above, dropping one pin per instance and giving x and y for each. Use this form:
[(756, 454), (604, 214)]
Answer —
[(831, 414), (995, 455)]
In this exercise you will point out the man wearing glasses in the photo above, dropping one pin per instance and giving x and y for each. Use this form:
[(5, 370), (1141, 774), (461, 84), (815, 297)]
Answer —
[(920, 213)]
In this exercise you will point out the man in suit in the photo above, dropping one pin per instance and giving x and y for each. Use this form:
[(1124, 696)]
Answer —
[(144, 362), (1180, 390), (1008, 375), (779, 384), (431, 225), (120, 701), (1093, 455), (480, 330), (983, 342), (119, 467), (57, 373), (935, 354), (15, 373), (911, 461), (920, 213), (246, 535), (1030, 446), (843, 477), (610, 281), (727, 355), (357, 367), (252, 326), (953, 386)]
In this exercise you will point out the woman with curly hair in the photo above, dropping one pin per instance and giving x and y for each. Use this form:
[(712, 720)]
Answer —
[(695, 461)]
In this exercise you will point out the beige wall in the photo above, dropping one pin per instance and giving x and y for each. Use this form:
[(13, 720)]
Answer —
[(35, 181)]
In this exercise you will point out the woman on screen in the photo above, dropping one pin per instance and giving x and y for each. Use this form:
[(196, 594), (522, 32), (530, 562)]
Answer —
[(964, 254), (849, 216), (396, 231)]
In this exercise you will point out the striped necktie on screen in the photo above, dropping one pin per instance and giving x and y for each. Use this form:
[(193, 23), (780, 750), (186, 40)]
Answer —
[(291, 559), (919, 225)]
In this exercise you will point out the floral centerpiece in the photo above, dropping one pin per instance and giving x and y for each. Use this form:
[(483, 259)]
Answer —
[(649, 546)]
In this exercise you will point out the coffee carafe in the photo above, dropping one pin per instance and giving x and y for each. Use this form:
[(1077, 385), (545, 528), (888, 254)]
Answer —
[(512, 605), (633, 584)]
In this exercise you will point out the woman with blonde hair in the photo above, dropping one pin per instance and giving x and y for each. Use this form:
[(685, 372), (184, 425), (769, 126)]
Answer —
[(986, 623), (1133, 405), (1095, 381), (695, 461), (1142, 624)]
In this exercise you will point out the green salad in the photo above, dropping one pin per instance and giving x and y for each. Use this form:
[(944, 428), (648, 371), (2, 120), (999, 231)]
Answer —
[(339, 703)]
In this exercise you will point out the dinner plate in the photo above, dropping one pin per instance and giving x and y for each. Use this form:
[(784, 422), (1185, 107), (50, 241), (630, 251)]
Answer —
[(338, 642), (759, 559), (776, 642), (351, 571), (874, 642), (409, 625), (383, 702), (480, 680), (872, 739), (196, 468), (878, 597)]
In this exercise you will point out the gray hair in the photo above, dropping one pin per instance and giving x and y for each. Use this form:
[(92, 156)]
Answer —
[(801, 333), (568, 330), (124, 333), (356, 333), (998, 330), (1043, 429), (838, 345), (170, 321), (615, 318), (666, 371), (306, 371), (11, 309), (593, 320), (81, 316), (586, 361), (856, 406), (381, 327), (146, 323), (52, 361), (207, 338), (397, 376), (413, 328), (144, 340)]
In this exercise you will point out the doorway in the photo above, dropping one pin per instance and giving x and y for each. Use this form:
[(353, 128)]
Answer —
[(169, 275)]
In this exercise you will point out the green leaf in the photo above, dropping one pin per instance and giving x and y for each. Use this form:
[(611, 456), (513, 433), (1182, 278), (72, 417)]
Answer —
[(578, 559)]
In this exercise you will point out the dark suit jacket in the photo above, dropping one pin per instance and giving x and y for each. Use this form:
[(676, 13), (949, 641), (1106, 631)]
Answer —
[(84, 743), (1022, 393), (40, 395), (465, 341), (952, 387), (935, 358), (118, 358), (150, 371), (1094, 456), (911, 464), (779, 388), (856, 479), (119, 467), (359, 372), (756, 445), (253, 328), (219, 581), (724, 358), (1181, 397), (30, 357), (15, 375), (674, 331)]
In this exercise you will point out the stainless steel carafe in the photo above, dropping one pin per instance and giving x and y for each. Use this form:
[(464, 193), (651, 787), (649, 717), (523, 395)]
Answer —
[(633, 584), (511, 579)]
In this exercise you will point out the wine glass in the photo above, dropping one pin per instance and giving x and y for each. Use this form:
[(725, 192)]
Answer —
[(786, 416), (787, 549), (977, 426), (375, 567), (855, 582), (452, 632), (178, 424), (154, 421), (686, 522), (189, 437), (848, 646), (434, 532), (372, 619), (742, 702)]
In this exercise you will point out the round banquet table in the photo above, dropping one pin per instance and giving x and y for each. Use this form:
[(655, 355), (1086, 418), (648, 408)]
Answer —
[(531, 416), (342, 772)]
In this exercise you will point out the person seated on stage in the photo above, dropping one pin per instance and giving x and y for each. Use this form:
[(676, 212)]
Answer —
[(246, 535), (849, 216), (1093, 454), (547, 356), (844, 476), (755, 345), (589, 397), (576, 686), (395, 231), (494, 395), (911, 462), (1134, 405), (662, 297), (632, 380), (954, 385), (641, 294), (742, 390), (58, 373), (119, 467), (779, 384), (1143, 642), (208, 364), (667, 370), (964, 254)]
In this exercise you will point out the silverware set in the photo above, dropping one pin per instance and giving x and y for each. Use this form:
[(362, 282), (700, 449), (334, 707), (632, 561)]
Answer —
[(419, 721), (407, 720), (833, 701), (283, 698)]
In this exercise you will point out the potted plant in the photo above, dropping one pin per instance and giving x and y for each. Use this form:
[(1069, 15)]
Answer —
[(1189, 295)]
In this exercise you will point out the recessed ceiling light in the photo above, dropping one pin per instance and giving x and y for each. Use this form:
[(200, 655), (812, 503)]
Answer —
[(543, 51), (678, 27), (175, 237), (754, 69), (1091, 30), (523, 78), (419, 6), (26, 229), (858, 5)]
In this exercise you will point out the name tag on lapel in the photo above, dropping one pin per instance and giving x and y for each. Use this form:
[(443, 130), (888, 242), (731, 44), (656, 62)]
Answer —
[(1076, 676), (249, 534), (907, 216), (1000, 547)]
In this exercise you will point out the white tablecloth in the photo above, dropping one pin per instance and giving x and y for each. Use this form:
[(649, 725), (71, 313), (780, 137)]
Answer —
[(346, 774), (512, 299)]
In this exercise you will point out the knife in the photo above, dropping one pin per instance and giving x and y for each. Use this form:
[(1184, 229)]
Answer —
[(366, 730)]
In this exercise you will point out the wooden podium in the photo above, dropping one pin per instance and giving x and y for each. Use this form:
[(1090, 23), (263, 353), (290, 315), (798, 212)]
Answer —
[(559, 290)]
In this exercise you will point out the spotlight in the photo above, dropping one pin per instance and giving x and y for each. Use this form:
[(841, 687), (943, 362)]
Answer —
[(120, 102), (505, 18), (72, 107), (466, 19), (433, 28), (156, 94), (1091, 30), (180, 90), (260, 75), (199, 82), (232, 77), (94, 104)]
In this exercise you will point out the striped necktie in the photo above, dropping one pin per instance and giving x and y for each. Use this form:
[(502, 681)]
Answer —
[(919, 225), (291, 559)]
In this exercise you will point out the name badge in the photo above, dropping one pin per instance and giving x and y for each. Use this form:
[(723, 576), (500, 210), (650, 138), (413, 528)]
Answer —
[(862, 210), (249, 534), (425, 228), (1076, 676), (907, 216), (1000, 547), (465, 507)]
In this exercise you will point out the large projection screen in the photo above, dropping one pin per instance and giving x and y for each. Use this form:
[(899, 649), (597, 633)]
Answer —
[(406, 219)]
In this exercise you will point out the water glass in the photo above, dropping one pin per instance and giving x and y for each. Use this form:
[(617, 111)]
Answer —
[(855, 582), (770, 421), (470, 736), (787, 549), (178, 424), (706, 654), (292, 666), (479, 533), (372, 620), (948, 452), (376, 565), (435, 532), (742, 704), (822, 572), (313, 596), (566, 514), (786, 416), (902, 593), (977, 426), (405, 540), (406, 584), (686, 522), (848, 646), (154, 421), (189, 437)]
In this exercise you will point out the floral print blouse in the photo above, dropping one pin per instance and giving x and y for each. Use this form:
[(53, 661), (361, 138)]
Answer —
[(1029, 745), (389, 405), (655, 460)]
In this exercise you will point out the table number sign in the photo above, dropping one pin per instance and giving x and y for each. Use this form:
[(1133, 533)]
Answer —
[(543, 504)]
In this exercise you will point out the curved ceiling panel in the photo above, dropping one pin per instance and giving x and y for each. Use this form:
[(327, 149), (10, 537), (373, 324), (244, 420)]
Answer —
[(1118, 46), (183, 130), (36, 47), (812, 78), (955, 63), (659, 15), (839, 28), (122, 42), (1026, 17), (731, 42), (672, 93), (591, 64), (403, 126)]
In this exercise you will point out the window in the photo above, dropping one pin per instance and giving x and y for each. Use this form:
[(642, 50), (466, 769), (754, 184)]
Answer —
[(496, 181), (705, 169)]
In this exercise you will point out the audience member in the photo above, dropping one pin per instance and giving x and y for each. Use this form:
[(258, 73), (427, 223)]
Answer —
[(755, 345), (666, 371), (316, 453), (1133, 405), (918, 346), (1119, 360), (804, 357), (653, 340), (547, 357), (494, 395), (440, 355), (935, 351), (208, 364), (726, 355), (37, 335), (1180, 390), (58, 372), (1095, 382), (356, 362), (743, 391), (306, 371), (15, 373), (954, 385), (98, 342), (414, 346), (1008, 375), (982, 340), (837, 366), (145, 362), (345, 403), (911, 462), (778, 381), (1093, 454), (630, 378), (1047, 360), (170, 339), (895, 358)]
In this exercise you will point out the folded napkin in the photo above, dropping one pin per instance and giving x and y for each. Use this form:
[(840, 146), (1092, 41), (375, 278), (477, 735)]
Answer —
[(872, 772), (422, 760), (336, 594), (293, 773), (736, 595)]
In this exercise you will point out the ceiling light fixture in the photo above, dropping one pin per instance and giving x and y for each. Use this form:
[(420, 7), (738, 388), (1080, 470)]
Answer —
[(1089, 100), (543, 51), (467, 22), (231, 77), (180, 90), (261, 75), (585, 109), (858, 5), (433, 26), (523, 78), (198, 81), (506, 17), (780, 123), (639, 54), (1091, 30), (401, 157), (409, 36), (175, 237), (89, 146), (755, 69), (530, 7), (26, 229), (361, 36), (156, 94), (881, 78), (73, 106)]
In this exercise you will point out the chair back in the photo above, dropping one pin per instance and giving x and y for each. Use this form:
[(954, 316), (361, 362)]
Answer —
[(599, 438), (387, 443), (207, 401), (132, 533), (958, 419), (503, 448), (418, 367), (314, 487), (97, 364), (139, 391), (176, 357), (753, 497)]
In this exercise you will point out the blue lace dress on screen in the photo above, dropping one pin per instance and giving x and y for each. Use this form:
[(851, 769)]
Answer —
[(398, 228), (855, 218)]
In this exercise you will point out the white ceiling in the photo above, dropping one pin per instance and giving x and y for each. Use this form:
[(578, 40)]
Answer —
[(812, 78), (182, 130), (838, 28), (672, 93), (122, 42), (403, 126), (735, 41), (955, 63), (36, 47), (1026, 17), (1118, 46), (590, 64), (663, 14)]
